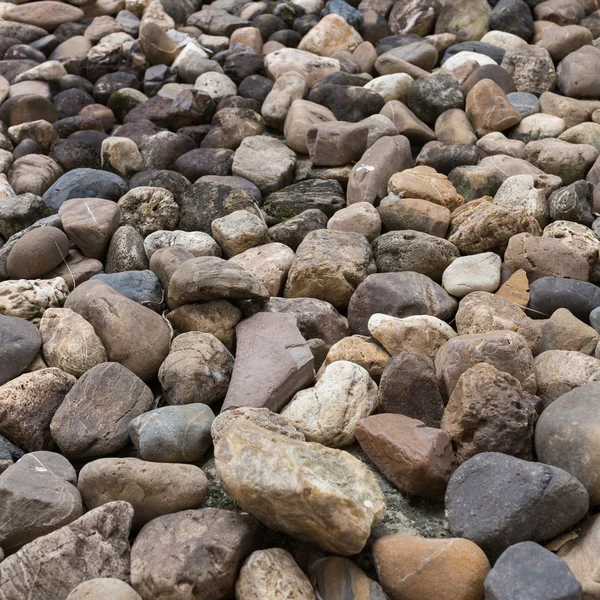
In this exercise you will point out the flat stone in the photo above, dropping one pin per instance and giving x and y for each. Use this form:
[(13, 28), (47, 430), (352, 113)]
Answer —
[(249, 457), (260, 339), (45, 13)]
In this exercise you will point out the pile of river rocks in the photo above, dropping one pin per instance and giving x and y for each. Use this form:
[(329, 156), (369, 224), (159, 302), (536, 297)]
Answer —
[(300, 299)]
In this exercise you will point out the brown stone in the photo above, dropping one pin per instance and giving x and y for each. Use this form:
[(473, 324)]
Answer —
[(76, 269), (158, 47), (471, 416), (301, 116), (564, 331), (45, 13), (506, 350), (90, 223), (196, 552), (488, 108), (545, 257), (418, 460), (516, 288), (423, 569), (27, 108), (132, 334), (37, 252), (335, 578), (407, 123), (415, 214), (336, 143), (425, 183)]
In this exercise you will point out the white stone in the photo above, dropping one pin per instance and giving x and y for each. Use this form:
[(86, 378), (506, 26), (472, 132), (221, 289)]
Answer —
[(525, 191), (192, 62), (420, 334), (476, 273), (309, 65), (214, 43), (216, 85), (289, 87), (503, 39), (311, 7), (361, 217), (196, 243), (50, 70), (172, 90), (239, 231), (460, 58), (537, 127), (122, 155), (497, 143), (391, 87), (328, 412)]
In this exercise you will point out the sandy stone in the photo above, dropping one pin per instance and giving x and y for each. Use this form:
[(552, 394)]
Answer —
[(331, 34)]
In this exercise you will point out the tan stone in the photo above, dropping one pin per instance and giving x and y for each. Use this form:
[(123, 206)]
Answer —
[(516, 288), (310, 66), (423, 569), (330, 35), (488, 108), (301, 116), (564, 331)]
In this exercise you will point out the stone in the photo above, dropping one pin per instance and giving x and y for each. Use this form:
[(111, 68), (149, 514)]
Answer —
[(152, 489), (196, 552), (45, 13), (37, 252), (92, 420), (84, 183), (29, 298), (173, 434), (19, 344), (361, 218), (267, 573), (513, 17), (149, 209), (420, 334), (529, 565), (90, 223), (262, 417), (343, 501), (20, 212), (427, 457), (531, 69), (540, 501), (538, 126), (467, 19), (27, 405), (328, 412), (267, 162), (95, 545), (35, 502), (414, 251), (336, 143), (560, 371), (332, 34), (259, 339), (197, 369), (545, 257), (217, 85), (572, 111), (576, 74), (126, 251), (33, 173), (142, 287), (483, 226), (391, 87), (425, 183), (69, 342), (563, 331), (419, 568), (195, 242), (211, 278), (40, 131), (239, 231), (454, 127), (414, 214), (467, 274), (407, 123), (311, 67), (444, 158), (469, 419), (508, 351), (572, 203), (488, 108), (316, 270), (481, 312), (103, 586), (524, 103), (431, 96), (132, 334), (218, 317), (402, 294), (551, 293)]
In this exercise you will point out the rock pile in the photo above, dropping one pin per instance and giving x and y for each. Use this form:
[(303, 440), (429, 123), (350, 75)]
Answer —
[(299, 299)]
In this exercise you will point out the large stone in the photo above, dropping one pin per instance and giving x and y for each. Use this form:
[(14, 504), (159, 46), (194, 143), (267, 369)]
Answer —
[(192, 554), (506, 350), (467, 274), (44, 13), (538, 502), (402, 294), (551, 293), (37, 252), (272, 354), (93, 418), (173, 434), (420, 568), (488, 108), (70, 342), (531, 69), (35, 501), (211, 278), (564, 331), (418, 460), (149, 209), (331, 34), (530, 566), (27, 405), (153, 489), (565, 436), (328, 412), (577, 73), (267, 574), (132, 334), (19, 343), (467, 19), (329, 265), (283, 481), (95, 545), (482, 392), (197, 369)]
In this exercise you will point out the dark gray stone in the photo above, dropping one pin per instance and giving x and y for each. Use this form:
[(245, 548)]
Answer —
[(527, 571), (20, 341), (19, 212), (493, 52), (548, 294), (524, 103), (338, 7), (430, 96), (496, 500), (512, 16), (140, 286), (292, 231), (572, 203)]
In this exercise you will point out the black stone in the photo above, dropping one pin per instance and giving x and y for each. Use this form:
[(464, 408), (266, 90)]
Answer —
[(157, 76), (496, 500), (493, 52), (205, 161), (68, 82), (70, 102), (350, 14), (169, 180), (89, 137), (512, 16), (256, 87), (268, 25), (27, 147), (20, 341), (142, 287), (446, 157), (548, 294), (19, 51), (347, 103), (573, 203), (433, 95), (71, 154), (69, 125), (287, 37)]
